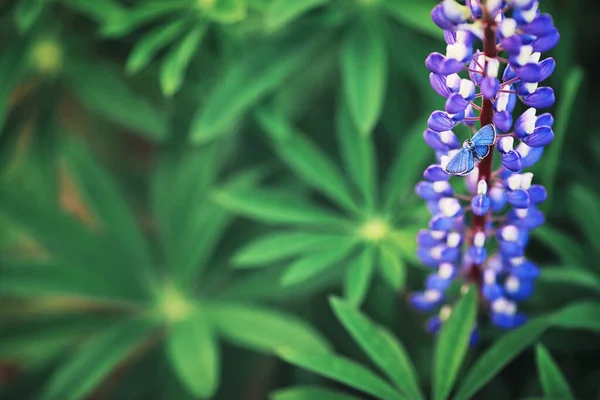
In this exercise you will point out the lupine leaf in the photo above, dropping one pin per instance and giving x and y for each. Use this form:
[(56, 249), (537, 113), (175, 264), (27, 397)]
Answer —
[(92, 362), (570, 276), (226, 11), (584, 208), (552, 156), (265, 329), (27, 12), (553, 382), (175, 63), (272, 206), (105, 93), (99, 10), (364, 74), (358, 155), (453, 343), (501, 353), (307, 160), (150, 44), (344, 371), (309, 393), (118, 24), (194, 355), (358, 277), (11, 69), (381, 347), (278, 246), (282, 12), (306, 267), (392, 268), (569, 251), (415, 14), (584, 315)]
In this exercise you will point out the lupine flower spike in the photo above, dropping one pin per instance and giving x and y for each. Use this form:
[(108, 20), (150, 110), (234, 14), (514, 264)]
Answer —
[(473, 237)]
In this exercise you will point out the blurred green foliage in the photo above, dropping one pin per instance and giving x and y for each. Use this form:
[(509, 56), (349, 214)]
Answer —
[(185, 184)]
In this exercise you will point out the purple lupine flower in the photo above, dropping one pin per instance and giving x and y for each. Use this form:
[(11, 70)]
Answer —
[(499, 207)]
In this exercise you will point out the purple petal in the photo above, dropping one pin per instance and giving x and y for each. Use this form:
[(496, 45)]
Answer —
[(541, 136)]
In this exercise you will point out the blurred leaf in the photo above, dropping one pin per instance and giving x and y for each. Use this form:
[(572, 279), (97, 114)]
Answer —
[(415, 14), (570, 250), (584, 208), (584, 315), (344, 371), (570, 276), (194, 355), (381, 347), (104, 92), (358, 155), (307, 161), (151, 43), (309, 393), (98, 10), (280, 13), (453, 343), (409, 163), (175, 63), (11, 69), (265, 329), (118, 24), (92, 362), (27, 12), (306, 267), (358, 277), (553, 382), (364, 74), (273, 206), (249, 80), (278, 246), (499, 354), (102, 196), (570, 89), (392, 268), (226, 11)]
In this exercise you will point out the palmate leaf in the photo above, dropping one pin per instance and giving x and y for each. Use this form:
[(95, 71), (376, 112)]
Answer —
[(27, 12), (265, 329), (500, 353), (584, 208), (570, 276), (381, 347), (359, 275), (118, 24), (569, 251), (194, 354), (344, 371), (392, 268), (100, 11), (92, 362), (553, 382), (453, 343), (364, 73), (11, 70), (282, 12), (415, 14), (309, 393), (226, 11), (583, 315)]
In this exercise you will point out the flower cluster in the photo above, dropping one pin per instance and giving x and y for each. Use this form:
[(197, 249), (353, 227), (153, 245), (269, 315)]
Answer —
[(480, 235)]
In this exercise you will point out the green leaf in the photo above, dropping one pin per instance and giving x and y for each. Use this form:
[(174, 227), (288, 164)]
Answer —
[(105, 93), (309, 393), (194, 354), (414, 14), (265, 329), (453, 343), (358, 277), (278, 246), (106, 203), (273, 206), (226, 11), (11, 70), (358, 155), (392, 268), (175, 63), (569, 251), (99, 10), (501, 353), (570, 276), (248, 81), (280, 13), (583, 315), (553, 382), (92, 362), (27, 12), (364, 74), (570, 88), (313, 264), (344, 371), (118, 24), (381, 347), (307, 161), (150, 44), (583, 205)]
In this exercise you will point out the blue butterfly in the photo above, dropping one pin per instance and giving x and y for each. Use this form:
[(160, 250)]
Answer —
[(473, 149)]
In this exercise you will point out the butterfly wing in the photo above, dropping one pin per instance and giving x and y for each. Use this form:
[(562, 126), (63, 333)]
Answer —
[(481, 151), (486, 136), (461, 163)]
